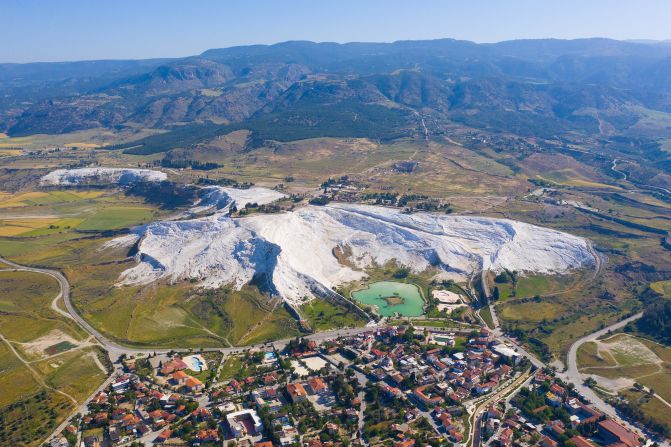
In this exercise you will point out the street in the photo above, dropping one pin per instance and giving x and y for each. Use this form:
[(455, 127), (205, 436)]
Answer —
[(115, 350)]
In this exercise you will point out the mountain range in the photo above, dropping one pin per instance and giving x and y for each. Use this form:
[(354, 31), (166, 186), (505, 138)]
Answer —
[(380, 90)]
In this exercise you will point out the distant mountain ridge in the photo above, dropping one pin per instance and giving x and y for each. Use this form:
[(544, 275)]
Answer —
[(526, 86)]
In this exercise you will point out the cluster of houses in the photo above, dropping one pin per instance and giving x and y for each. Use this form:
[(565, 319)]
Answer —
[(433, 380), (583, 425), (425, 376), (441, 377), (174, 371), (130, 409)]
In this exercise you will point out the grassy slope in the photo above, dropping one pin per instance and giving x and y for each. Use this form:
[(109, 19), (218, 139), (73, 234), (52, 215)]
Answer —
[(163, 315), (29, 410), (619, 358), (323, 316), (25, 312)]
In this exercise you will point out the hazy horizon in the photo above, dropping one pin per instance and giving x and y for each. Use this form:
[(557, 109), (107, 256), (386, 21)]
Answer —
[(76, 30), (641, 41)]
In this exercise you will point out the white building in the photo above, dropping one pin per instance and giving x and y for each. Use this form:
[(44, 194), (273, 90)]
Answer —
[(508, 353)]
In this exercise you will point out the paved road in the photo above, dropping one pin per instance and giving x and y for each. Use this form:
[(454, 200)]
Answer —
[(115, 349), (573, 375), (112, 347), (475, 434)]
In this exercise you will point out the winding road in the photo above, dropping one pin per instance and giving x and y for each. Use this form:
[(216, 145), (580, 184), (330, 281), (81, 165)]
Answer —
[(640, 185), (115, 350), (573, 375), (112, 347)]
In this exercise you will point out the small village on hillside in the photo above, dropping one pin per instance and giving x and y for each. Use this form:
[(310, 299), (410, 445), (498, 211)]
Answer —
[(395, 386)]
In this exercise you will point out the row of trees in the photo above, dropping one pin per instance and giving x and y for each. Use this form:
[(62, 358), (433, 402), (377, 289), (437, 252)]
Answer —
[(656, 320)]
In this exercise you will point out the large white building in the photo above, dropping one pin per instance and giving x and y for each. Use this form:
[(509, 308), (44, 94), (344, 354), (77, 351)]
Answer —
[(508, 353)]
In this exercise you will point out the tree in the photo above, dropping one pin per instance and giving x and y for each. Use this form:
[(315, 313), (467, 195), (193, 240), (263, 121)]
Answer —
[(502, 277), (656, 320)]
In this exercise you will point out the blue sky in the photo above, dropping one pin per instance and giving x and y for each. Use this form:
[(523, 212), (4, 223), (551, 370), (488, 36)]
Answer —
[(56, 30)]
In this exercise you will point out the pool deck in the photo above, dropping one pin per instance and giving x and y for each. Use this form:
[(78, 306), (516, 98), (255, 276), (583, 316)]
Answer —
[(195, 361)]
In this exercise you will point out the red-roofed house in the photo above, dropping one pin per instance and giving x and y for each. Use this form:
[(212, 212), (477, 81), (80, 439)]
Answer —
[(164, 436), (556, 389), (427, 399), (377, 352), (179, 377), (579, 441), (612, 432), (193, 384), (317, 385), (173, 365), (209, 435), (296, 392), (506, 437)]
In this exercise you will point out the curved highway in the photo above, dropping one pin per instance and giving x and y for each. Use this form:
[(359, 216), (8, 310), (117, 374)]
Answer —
[(65, 293), (115, 350), (573, 375)]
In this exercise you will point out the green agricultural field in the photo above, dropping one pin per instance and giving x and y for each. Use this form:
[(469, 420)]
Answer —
[(506, 291), (76, 373), (16, 380), (112, 217), (529, 311), (84, 140), (528, 286), (43, 227)]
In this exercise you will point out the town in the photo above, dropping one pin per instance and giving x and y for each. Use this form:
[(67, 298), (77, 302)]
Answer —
[(399, 386)]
